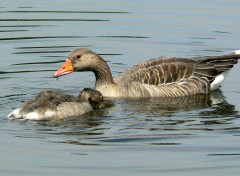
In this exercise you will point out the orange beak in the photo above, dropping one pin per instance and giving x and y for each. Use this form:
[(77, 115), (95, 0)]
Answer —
[(65, 69)]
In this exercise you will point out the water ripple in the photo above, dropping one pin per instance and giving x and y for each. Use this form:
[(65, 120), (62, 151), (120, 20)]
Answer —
[(13, 30), (122, 36), (58, 46), (39, 52), (24, 26), (56, 11), (56, 19), (36, 63), (41, 37), (24, 71)]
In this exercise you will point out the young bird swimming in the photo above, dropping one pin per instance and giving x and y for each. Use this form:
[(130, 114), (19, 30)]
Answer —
[(52, 105)]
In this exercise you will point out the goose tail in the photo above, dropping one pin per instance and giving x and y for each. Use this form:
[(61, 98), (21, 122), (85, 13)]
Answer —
[(224, 66)]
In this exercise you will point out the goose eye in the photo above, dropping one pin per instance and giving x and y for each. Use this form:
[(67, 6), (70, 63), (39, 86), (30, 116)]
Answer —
[(79, 56)]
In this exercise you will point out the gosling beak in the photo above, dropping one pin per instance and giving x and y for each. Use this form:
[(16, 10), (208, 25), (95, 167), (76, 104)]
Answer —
[(99, 106), (65, 69), (102, 105)]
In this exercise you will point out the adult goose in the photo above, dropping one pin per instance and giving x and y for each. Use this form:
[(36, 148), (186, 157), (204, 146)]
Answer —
[(161, 77), (52, 105)]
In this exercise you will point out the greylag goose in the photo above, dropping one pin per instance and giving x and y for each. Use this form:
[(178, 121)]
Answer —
[(161, 77), (52, 105)]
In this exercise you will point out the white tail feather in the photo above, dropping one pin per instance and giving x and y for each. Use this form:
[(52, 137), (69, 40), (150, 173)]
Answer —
[(218, 80), (236, 52)]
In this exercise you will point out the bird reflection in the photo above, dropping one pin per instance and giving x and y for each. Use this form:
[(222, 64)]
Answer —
[(204, 106), (209, 104), (88, 120), (219, 105), (200, 112)]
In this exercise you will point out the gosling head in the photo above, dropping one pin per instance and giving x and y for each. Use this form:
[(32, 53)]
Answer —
[(94, 97)]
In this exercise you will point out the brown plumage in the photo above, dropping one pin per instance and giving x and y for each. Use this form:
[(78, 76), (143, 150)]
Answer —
[(52, 105), (161, 77)]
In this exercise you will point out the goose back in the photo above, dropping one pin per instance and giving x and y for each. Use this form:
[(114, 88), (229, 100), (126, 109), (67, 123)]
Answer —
[(174, 77), (167, 70)]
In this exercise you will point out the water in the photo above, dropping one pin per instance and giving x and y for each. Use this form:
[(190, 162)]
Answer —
[(198, 136)]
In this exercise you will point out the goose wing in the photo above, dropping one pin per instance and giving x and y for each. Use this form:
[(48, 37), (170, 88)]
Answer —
[(219, 64), (171, 70)]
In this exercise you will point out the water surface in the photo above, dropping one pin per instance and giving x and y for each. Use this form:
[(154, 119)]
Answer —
[(187, 136)]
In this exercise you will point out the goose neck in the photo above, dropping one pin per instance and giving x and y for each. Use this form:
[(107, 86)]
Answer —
[(103, 74)]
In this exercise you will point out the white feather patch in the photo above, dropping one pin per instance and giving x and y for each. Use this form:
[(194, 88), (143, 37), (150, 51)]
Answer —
[(32, 116), (36, 116), (49, 114), (14, 114), (218, 80), (236, 52)]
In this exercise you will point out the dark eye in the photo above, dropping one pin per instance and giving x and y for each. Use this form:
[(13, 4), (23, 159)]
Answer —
[(79, 56)]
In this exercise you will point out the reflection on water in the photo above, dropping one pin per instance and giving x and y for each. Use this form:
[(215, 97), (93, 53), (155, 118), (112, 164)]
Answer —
[(102, 127), (206, 104), (62, 11), (168, 106)]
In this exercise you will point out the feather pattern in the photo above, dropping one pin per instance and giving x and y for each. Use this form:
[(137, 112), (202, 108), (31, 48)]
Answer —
[(176, 77)]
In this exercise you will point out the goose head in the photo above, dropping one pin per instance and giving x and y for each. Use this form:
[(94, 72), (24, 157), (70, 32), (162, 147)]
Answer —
[(79, 60), (83, 59), (94, 97)]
